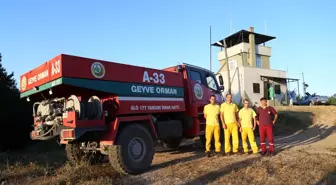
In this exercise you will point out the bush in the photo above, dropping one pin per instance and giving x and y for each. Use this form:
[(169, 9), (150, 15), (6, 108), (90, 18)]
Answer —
[(332, 100)]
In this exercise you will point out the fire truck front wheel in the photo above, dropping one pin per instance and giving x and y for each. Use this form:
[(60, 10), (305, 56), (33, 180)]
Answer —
[(134, 150)]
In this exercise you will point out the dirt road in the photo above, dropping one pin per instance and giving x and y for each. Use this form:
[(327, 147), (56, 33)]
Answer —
[(304, 156)]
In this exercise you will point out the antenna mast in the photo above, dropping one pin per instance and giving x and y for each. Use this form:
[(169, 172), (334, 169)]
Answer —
[(230, 24), (210, 52)]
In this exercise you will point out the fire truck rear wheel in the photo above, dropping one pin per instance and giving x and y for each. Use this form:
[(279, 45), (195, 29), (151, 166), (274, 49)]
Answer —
[(75, 155), (134, 150)]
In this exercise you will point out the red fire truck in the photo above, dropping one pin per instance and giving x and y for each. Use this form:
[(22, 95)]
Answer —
[(98, 108)]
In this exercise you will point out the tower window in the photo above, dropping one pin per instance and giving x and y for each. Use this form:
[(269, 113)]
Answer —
[(256, 88)]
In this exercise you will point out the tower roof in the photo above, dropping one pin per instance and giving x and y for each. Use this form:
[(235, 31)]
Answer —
[(243, 36)]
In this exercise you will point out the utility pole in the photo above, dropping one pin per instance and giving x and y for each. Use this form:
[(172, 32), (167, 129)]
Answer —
[(298, 84), (230, 24), (265, 33), (288, 84), (227, 66), (304, 85)]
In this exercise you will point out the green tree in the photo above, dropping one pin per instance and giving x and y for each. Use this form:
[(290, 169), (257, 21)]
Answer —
[(332, 100), (7, 81), (15, 114)]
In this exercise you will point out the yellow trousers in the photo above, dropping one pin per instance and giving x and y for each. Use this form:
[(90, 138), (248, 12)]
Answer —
[(232, 129), (248, 132), (209, 132)]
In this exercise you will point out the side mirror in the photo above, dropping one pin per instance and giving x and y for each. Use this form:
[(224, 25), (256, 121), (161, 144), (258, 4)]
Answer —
[(221, 88), (221, 82)]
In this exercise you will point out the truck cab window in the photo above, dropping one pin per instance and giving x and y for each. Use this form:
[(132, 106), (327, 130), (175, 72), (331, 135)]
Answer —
[(211, 83), (196, 76)]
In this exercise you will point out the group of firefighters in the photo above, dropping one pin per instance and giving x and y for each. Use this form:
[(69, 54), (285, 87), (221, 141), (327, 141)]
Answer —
[(234, 121)]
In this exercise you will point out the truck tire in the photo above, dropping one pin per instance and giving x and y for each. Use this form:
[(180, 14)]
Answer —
[(75, 155), (171, 144), (134, 150)]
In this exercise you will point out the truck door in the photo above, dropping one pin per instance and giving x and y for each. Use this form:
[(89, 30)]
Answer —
[(203, 84), (213, 87), (197, 85)]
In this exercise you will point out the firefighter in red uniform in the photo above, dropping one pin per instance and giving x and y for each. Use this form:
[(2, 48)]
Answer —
[(266, 118)]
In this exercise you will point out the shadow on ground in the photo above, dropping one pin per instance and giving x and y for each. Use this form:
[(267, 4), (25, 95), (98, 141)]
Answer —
[(296, 128), (290, 122), (195, 150), (214, 175), (311, 135)]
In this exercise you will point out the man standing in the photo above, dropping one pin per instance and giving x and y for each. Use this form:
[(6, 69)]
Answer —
[(266, 121), (229, 117), (246, 117), (211, 113)]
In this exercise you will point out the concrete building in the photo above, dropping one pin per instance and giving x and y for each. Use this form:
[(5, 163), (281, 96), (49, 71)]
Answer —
[(249, 68)]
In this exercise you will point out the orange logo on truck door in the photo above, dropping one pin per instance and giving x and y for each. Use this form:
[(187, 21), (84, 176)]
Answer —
[(98, 70), (198, 91)]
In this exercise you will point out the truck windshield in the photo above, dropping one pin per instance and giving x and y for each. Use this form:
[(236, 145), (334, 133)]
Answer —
[(211, 83)]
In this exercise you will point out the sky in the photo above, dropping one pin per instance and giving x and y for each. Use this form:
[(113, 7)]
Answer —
[(162, 33)]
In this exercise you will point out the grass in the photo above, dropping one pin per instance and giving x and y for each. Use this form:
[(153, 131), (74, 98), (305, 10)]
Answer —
[(302, 169), (36, 166), (25, 172)]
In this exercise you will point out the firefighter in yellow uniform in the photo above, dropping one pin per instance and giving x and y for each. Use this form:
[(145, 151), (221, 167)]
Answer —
[(246, 117), (211, 114), (229, 118)]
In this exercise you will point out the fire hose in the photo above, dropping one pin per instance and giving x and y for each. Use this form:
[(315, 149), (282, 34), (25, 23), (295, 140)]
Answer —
[(42, 137)]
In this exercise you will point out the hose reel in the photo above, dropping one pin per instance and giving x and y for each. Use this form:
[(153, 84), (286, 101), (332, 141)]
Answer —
[(91, 110), (97, 107), (74, 104)]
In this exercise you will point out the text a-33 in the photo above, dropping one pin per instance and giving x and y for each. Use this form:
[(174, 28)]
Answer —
[(155, 77)]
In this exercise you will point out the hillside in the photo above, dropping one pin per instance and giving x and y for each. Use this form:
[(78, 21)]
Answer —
[(305, 144)]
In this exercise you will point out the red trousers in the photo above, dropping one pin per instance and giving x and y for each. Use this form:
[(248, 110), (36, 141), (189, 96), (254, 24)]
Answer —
[(263, 132)]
